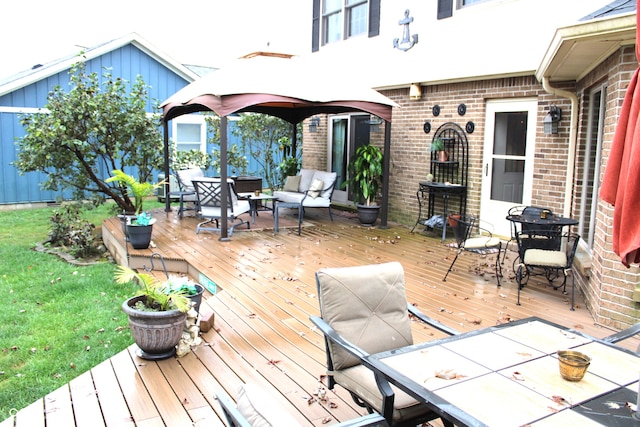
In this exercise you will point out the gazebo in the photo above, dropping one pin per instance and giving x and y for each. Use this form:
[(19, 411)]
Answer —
[(279, 85)]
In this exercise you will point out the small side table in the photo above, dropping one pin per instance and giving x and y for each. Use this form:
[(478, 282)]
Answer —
[(289, 205), (253, 203)]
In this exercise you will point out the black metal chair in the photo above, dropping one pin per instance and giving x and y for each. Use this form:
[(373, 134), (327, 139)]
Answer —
[(364, 311), (550, 252), (468, 239), (256, 408), (210, 204), (187, 192)]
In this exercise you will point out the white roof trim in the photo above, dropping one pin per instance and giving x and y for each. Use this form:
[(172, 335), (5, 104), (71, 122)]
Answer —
[(132, 38), (601, 37)]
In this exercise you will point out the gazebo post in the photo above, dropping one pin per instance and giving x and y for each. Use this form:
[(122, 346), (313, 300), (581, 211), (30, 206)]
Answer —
[(224, 194), (385, 179), (167, 199)]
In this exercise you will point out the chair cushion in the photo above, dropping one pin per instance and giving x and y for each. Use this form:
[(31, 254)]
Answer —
[(315, 188), (292, 183), (366, 305), (306, 177), (186, 176), (260, 410), (545, 258), (481, 242), (361, 381)]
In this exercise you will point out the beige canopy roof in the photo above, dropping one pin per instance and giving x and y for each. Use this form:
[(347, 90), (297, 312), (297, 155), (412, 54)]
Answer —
[(279, 85), (290, 88)]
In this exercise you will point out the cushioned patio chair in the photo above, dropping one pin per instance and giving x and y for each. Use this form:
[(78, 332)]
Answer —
[(468, 239), (209, 193), (256, 408), (187, 192), (550, 253), (365, 311)]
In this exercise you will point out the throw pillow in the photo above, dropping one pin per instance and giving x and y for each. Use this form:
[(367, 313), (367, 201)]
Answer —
[(315, 188), (292, 183), (260, 410)]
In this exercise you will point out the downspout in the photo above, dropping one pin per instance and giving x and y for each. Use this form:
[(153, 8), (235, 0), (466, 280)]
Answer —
[(573, 140)]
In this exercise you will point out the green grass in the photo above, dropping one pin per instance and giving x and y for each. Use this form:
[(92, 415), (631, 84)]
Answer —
[(57, 320)]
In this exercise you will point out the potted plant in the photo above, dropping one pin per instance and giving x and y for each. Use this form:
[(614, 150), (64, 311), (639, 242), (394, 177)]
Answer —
[(139, 226), (156, 313), (364, 177), (437, 146)]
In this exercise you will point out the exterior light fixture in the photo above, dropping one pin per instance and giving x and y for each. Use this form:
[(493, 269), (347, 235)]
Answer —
[(415, 92), (374, 123), (314, 122), (551, 120)]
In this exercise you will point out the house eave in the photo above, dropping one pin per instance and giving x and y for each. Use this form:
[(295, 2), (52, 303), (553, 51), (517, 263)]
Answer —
[(132, 38), (577, 49)]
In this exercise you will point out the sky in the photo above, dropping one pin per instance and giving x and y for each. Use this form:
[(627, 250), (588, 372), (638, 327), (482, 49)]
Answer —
[(194, 32)]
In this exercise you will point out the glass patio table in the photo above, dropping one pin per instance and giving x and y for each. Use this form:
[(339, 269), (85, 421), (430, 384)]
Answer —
[(508, 375)]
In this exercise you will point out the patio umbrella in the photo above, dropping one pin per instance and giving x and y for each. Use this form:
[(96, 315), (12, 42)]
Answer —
[(621, 183), (279, 85)]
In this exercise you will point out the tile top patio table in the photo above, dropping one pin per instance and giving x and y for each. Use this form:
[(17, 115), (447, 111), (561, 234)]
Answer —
[(508, 375), (253, 202)]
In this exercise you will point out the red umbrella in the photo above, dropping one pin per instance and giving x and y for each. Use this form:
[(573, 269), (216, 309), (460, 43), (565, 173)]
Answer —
[(621, 184)]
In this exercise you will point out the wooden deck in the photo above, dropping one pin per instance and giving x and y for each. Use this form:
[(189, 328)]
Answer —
[(266, 293)]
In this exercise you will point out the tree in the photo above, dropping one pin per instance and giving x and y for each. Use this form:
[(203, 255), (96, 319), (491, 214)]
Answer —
[(90, 131), (268, 140)]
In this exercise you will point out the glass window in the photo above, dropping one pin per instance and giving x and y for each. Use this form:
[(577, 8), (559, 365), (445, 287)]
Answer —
[(463, 3), (189, 133), (342, 19)]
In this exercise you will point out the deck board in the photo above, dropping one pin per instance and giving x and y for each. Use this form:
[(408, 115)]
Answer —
[(262, 333)]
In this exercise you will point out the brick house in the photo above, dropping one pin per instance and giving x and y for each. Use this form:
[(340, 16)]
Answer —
[(485, 63)]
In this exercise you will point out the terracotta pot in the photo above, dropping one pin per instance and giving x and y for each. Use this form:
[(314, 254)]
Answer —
[(443, 156)]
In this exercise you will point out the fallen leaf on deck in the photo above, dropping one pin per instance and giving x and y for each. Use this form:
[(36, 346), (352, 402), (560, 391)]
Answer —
[(517, 376), (559, 400), (448, 374)]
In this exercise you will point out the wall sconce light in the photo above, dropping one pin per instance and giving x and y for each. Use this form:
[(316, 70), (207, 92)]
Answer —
[(551, 120), (314, 122), (374, 123), (415, 92)]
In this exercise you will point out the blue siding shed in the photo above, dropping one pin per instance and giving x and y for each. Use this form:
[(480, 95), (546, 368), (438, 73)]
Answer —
[(27, 92)]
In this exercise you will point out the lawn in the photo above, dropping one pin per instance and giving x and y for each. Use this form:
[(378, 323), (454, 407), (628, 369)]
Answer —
[(57, 320)]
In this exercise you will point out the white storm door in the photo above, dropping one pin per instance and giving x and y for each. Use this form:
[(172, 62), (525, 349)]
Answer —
[(507, 171)]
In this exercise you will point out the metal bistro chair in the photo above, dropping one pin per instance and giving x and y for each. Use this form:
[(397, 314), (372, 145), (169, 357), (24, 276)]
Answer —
[(552, 253), (463, 229), (209, 192), (364, 311), (187, 194), (255, 408)]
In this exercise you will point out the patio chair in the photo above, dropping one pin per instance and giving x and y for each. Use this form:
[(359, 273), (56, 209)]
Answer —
[(209, 193), (467, 240), (187, 193), (549, 252), (364, 311), (624, 334), (255, 408)]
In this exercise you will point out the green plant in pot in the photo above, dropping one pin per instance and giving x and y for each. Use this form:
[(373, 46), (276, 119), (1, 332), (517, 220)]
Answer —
[(364, 178), (139, 226), (437, 146), (156, 313)]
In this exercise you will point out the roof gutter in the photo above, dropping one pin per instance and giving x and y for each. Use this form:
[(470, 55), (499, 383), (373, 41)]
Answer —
[(573, 134)]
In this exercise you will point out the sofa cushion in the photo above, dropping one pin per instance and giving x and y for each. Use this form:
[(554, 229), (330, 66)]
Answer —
[(306, 177), (316, 187), (329, 179), (292, 183)]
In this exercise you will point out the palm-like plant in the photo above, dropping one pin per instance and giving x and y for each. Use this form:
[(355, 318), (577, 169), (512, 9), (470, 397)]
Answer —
[(158, 297), (139, 190)]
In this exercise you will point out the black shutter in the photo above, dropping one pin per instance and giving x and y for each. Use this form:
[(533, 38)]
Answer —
[(315, 27), (445, 8), (374, 18)]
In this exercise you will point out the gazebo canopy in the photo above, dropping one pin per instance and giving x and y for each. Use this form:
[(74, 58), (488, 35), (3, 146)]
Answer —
[(279, 85)]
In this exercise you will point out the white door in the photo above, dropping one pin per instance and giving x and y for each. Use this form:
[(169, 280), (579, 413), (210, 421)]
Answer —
[(507, 173)]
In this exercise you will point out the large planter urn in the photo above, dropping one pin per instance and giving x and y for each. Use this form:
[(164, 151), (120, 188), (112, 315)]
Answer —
[(139, 235), (155, 332), (368, 215)]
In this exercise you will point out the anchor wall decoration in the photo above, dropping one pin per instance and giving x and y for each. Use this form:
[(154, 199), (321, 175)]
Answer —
[(408, 40)]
